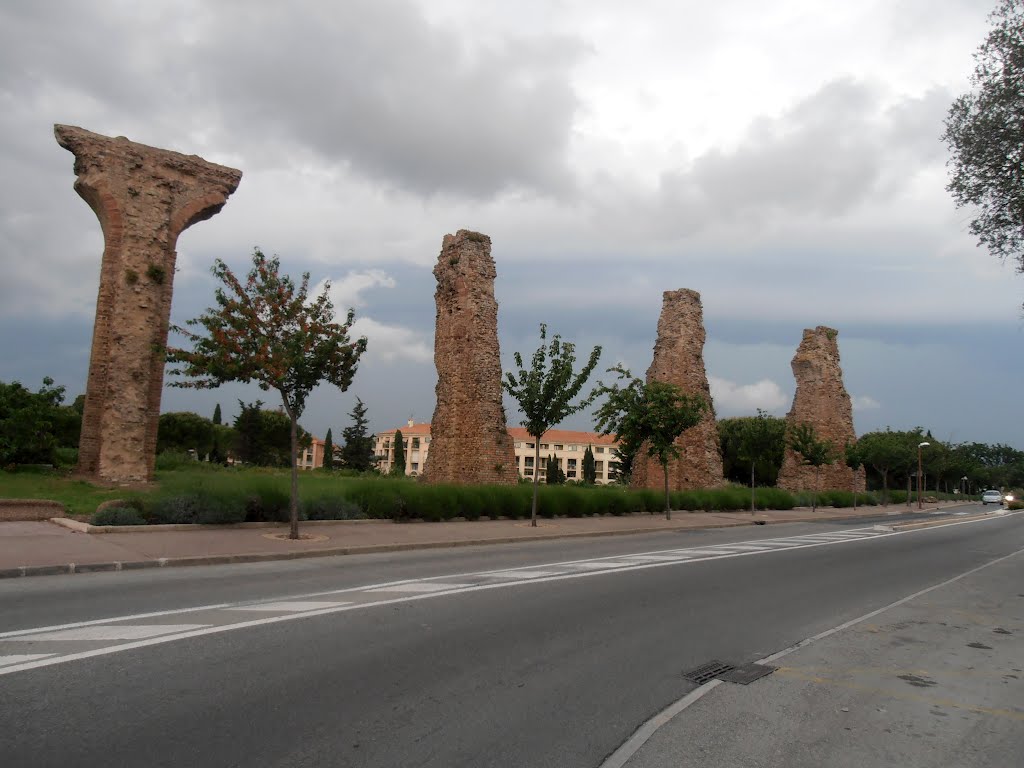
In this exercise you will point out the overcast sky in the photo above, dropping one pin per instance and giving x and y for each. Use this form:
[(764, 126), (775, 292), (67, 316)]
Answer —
[(783, 159)]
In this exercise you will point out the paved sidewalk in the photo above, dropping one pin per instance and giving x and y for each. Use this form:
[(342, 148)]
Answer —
[(38, 548), (936, 681)]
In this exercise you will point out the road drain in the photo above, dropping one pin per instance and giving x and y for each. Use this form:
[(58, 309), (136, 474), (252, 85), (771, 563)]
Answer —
[(728, 673)]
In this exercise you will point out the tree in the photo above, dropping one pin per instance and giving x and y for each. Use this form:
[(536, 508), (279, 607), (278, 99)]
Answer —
[(270, 331), (357, 452), (216, 415), (329, 450), (263, 438), (185, 432), (732, 434), (983, 131), (653, 414), (29, 422), (854, 460), (545, 392), (761, 438), (589, 468), (398, 465), (553, 474), (885, 452), (804, 441)]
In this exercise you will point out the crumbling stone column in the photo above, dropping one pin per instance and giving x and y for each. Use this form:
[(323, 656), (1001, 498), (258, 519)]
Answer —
[(679, 360), (144, 198), (469, 440), (821, 401)]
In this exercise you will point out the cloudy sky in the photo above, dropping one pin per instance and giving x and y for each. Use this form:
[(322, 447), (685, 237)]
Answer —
[(783, 159)]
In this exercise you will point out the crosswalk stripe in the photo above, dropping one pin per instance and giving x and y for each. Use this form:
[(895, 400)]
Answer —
[(112, 632), (521, 574), (418, 586), (599, 565), (19, 658), (296, 606)]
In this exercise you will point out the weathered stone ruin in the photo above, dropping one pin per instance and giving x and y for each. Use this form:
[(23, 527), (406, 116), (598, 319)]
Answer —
[(144, 198), (679, 360), (820, 400), (469, 442)]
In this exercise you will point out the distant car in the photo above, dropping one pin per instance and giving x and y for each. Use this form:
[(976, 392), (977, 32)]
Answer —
[(991, 497)]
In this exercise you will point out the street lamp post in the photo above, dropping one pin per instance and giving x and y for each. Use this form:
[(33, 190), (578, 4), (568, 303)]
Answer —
[(963, 483), (919, 447)]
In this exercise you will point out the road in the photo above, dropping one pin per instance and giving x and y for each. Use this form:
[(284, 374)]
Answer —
[(546, 654)]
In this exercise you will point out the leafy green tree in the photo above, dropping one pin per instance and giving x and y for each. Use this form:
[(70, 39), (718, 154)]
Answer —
[(185, 431), (29, 422), (761, 440), (545, 392), (654, 414), (217, 419), (357, 452), (886, 452), (263, 438), (398, 465), (269, 330), (983, 131), (329, 450), (589, 467), (733, 434), (813, 451)]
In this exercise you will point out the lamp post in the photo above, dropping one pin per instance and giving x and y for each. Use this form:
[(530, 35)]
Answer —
[(919, 447), (963, 482)]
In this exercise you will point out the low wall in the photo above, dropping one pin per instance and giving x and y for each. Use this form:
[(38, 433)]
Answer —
[(30, 509)]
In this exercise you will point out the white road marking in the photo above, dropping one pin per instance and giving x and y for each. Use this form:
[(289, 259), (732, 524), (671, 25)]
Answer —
[(289, 605), (521, 574), (599, 565), (418, 586), (19, 658), (112, 632), (705, 552), (657, 558), (744, 548), (429, 593), (94, 622)]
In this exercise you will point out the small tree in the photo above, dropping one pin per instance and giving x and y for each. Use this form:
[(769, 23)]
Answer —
[(398, 466), (885, 451), (589, 467), (270, 331), (759, 438), (653, 414), (216, 415), (29, 423), (804, 441), (853, 459), (545, 392), (357, 452), (329, 450)]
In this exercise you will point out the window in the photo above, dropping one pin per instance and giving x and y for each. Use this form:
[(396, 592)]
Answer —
[(415, 466), (599, 466), (572, 463), (415, 443), (571, 473), (574, 447), (529, 445), (543, 446), (599, 449), (528, 471), (528, 462), (558, 447), (519, 445)]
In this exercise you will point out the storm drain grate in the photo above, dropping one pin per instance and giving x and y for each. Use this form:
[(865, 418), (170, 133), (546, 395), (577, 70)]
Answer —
[(745, 674), (709, 671)]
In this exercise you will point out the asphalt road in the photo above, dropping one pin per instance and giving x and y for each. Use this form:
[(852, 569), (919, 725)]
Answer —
[(553, 672)]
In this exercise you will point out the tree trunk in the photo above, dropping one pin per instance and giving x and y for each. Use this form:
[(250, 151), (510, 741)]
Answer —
[(668, 505), (536, 475), (885, 487), (752, 504), (817, 484), (855, 490), (294, 505)]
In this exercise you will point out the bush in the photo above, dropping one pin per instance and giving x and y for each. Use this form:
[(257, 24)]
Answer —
[(118, 516), (65, 457), (172, 460), (332, 508), (1015, 505)]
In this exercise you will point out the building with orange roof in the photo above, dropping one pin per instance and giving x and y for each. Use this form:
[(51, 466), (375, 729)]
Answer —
[(567, 446)]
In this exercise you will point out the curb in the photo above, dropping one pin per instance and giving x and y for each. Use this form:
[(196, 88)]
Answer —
[(80, 527), (366, 549)]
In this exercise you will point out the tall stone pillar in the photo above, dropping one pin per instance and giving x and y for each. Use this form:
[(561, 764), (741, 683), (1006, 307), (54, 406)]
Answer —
[(679, 360), (144, 198), (469, 440), (821, 401)]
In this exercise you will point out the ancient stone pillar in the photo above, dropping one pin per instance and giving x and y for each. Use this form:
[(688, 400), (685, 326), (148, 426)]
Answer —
[(144, 198), (679, 360), (820, 400), (469, 440)]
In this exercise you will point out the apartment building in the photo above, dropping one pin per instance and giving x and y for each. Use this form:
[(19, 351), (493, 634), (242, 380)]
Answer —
[(313, 456), (567, 446)]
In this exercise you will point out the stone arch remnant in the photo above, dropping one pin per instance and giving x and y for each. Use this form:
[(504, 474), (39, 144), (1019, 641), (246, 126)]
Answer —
[(822, 401), (469, 440), (144, 198), (679, 359)]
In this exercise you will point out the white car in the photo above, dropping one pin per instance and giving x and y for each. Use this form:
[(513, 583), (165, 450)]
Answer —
[(991, 497)]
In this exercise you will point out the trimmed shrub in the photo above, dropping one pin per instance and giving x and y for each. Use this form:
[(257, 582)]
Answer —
[(331, 508), (118, 516)]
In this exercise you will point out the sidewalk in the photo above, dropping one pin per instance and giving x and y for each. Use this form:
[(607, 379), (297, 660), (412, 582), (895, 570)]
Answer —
[(933, 682), (39, 548)]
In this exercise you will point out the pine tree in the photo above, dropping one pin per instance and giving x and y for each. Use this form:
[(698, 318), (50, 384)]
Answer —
[(589, 467), (216, 414), (357, 452), (398, 466), (329, 450)]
